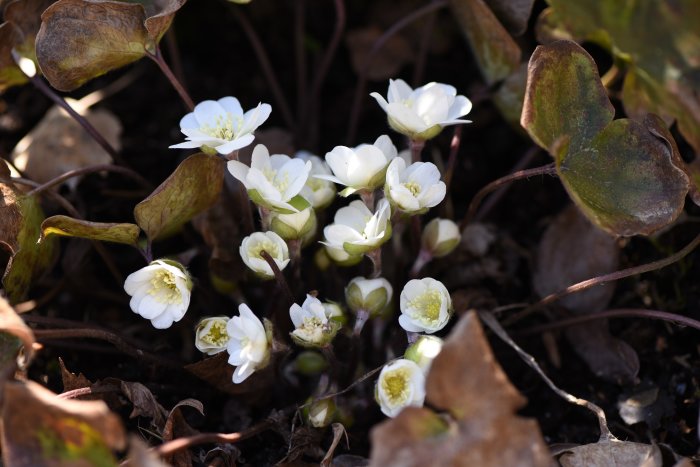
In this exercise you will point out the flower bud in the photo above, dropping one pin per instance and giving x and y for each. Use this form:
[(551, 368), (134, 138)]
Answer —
[(320, 413), (370, 295), (310, 363), (295, 225), (342, 257), (423, 352), (252, 247), (211, 336), (440, 237)]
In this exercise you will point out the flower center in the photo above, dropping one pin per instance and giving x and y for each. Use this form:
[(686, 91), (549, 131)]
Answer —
[(316, 183), (413, 187), (217, 335), (224, 127), (164, 288), (268, 246), (281, 183), (395, 385), (428, 306)]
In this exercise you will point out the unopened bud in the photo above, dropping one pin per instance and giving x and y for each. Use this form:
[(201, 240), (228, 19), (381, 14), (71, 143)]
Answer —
[(310, 363), (440, 237), (423, 351), (370, 295), (295, 225), (320, 413)]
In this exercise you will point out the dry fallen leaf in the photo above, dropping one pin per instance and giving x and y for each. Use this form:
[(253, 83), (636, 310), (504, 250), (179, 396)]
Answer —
[(58, 144), (466, 381), (40, 429), (612, 453)]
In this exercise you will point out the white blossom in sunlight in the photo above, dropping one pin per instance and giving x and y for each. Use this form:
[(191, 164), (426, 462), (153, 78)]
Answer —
[(401, 383), (425, 306), (423, 352), (160, 292), (221, 125), (211, 336), (357, 230), (249, 344), (254, 244), (362, 167), (272, 181), (313, 326), (422, 113), (416, 188), (318, 192)]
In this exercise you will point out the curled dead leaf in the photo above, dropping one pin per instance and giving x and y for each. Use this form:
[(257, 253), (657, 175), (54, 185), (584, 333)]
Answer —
[(612, 453)]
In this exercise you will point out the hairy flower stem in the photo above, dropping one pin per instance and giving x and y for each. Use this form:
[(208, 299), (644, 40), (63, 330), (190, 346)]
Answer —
[(376, 257), (39, 83), (367, 197), (361, 317), (279, 277), (157, 57), (548, 169), (416, 149), (265, 218), (423, 258), (452, 160)]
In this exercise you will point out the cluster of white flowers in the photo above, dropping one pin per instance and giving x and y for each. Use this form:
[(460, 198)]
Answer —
[(288, 192)]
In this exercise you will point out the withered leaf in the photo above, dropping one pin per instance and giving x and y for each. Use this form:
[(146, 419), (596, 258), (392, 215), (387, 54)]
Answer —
[(217, 372), (494, 49), (39, 429), (193, 187), (25, 15), (466, 381), (71, 380), (10, 74), (14, 335), (69, 145), (82, 39), (514, 14), (106, 232), (143, 401), (20, 227), (614, 453)]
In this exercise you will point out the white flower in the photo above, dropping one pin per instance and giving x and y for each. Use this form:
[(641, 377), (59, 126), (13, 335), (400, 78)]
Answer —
[(271, 181), (248, 346), (341, 257), (318, 192), (211, 336), (415, 188), (440, 237), (297, 224), (425, 305), (356, 230), (312, 324), (423, 352), (254, 244), (421, 114), (160, 292), (221, 125), (362, 167), (370, 295), (401, 384)]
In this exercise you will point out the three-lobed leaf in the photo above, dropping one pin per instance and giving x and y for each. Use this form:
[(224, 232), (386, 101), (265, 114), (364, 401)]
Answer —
[(192, 188)]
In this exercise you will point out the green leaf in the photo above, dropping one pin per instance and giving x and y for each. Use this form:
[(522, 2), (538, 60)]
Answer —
[(82, 39), (625, 180), (192, 188), (106, 232), (564, 98), (494, 49), (20, 226), (42, 430)]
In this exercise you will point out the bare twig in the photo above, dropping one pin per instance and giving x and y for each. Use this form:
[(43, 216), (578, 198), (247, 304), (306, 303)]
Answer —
[(279, 277), (162, 64), (604, 279), (92, 169), (495, 326)]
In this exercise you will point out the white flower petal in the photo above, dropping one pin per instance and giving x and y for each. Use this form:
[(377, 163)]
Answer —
[(231, 105)]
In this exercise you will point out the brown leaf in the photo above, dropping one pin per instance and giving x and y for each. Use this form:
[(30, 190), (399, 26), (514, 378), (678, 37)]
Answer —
[(176, 427), (612, 453), (386, 62), (143, 401), (82, 39), (466, 381), (39, 429), (70, 146), (71, 380), (514, 14), (10, 74), (217, 372), (25, 15), (193, 187)]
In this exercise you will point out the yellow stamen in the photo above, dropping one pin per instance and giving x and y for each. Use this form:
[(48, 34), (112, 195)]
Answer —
[(413, 187), (428, 306), (395, 385), (164, 287), (217, 335)]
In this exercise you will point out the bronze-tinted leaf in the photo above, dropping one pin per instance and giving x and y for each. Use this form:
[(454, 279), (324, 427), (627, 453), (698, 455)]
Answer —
[(495, 51), (564, 97), (514, 14), (25, 15), (193, 187), (39, 429), (466, 381), (82, 39), (625, 180), (106, 232), (10, 74), (20, 227)]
